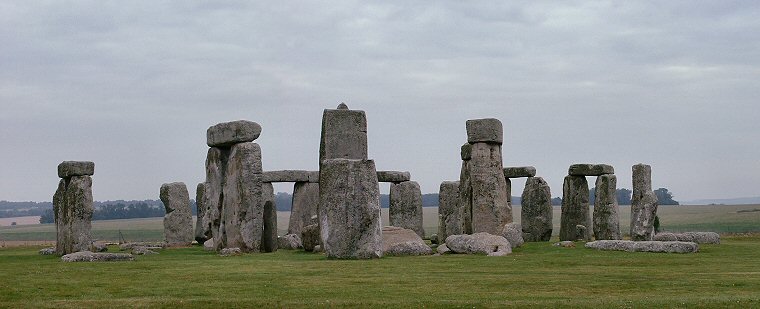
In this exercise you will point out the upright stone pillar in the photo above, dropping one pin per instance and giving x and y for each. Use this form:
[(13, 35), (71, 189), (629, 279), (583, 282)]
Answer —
[(643, 204), (305, 205), (537, 210), (405, 209), (490, 205), (465, 190), (178, 220), (606, 220), (73, 208), (575, 219), (269, 237), (449, 214), (200, 235)]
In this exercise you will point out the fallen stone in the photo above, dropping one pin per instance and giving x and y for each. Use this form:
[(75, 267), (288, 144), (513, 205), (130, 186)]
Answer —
[(150, 245), (487, 130), (443, 249), (513, 233), (227, 134), (449, 214), (644, 246), (565, 244), (393, 176), (76, 168), (537, 210), (47, 251), (88, 256), (590, 170), (643, 204), (286, 176), (490, 205), (697, 237), (479, 243), (208, 245), (142, 251), (178, 220), (405, 206), (519, 172), (400, 241), (575, 209), (230, 252), (310, 237), (606, 220), (99, 246), (289, 242)]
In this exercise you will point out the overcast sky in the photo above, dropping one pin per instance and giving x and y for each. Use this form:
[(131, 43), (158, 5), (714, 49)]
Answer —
[(133, 86)]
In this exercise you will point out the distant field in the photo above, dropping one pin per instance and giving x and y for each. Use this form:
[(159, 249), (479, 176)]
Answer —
[(722, 219)]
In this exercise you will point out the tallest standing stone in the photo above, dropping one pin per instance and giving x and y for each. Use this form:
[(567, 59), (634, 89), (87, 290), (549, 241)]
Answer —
[(73, 208), (643, 203)]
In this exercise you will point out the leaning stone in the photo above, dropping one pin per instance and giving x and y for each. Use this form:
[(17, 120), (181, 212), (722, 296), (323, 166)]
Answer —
[(344, 135), (229, 133), (519, 172), (88, 256), (76, 168), (513, 233), (393, 176), (449, 214), (230, 251), (487, 130), (142, 251), (479, 243), (606, 220), (47, 251), (178, 221), (286, 176), (643, 204), (490, 206), (466, 152), (575, 209), (73, 209), (537, 210), (310, 237), (399, 241), (304, 205), (644, 246), (590, 170), (200, 237), (443, 249), (405, 209), (289, 242)]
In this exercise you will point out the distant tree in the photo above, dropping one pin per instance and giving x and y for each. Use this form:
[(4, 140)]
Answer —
[(47, 216), (623, 196), (664, 197), (656, 224), (557, 201)]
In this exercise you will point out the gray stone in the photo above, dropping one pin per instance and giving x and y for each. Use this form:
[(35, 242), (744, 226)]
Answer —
[(490, 206), (644, 246), (405, 209), (590, 170), (243, 200), (349, 209), (287, 176), (227, 134), (581, 230), (142, 251), (697, 237), (399, 241), (304, 205), (150, 245), (479, 243), (342, 106), (443, 249), (508, 191), (575, 209), (466, 151), (216, 166), (537, 210), (643, 204), (47, 251), (314, 176), (230, 252), (565, 244), (178, 220), (519, 172), (317, 249), (269, 237), (434, 239), (606, 220), (310, 237), (487, 130), (208, 245), (76, 168), (73, 208), (344, 135), (200, 236), (513, 233), (289, 242), (449, 214), (393, 176), (88, 256), (464, 203), (99, 246)]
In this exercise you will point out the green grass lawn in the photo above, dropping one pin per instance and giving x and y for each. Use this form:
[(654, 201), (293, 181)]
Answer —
[(537, 275)]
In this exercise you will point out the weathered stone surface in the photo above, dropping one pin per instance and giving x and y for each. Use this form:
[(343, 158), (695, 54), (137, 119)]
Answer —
[(536, 215), (393, 176), (229, 133), (465, 198), (513, 233), (73, 208), (508, 192), (565, 244), (590, 170), (479, 243), (178, 220), (606, 220), (342, 105), (405, 209), (88, 256), (99, 246), (216, 166), (697, 237), (490, 206), (314, 176), (310, 237), (76, 168), (487, 130), (243, 200), (269, 238), (287, 176), (344, 135), (209, 245), (304, 206), (644, 246), (643, 203), (289, 242), (519, 172), (142, 251), (400, 241), (150, 245), (443, 249), (230, 252), (466, 151), (200, 237), (349, 209), (575, 209), (47, 251), (449, 214)]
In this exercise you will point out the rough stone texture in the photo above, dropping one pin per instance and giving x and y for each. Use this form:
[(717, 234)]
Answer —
[(209, 245), (508, 187), (449, 214), (310, 237), (490, 206), (349, 209), (344, 135), (466, 151), (230, 252), (99, 246), (47, 251), (479, 243), (393, 176), (513, 233), (565, 244), (575, 209), (229, 133), (150, 245), (200, 236), (213, 199), (405, 209), (400, 241), (269, 237), (243, 200), (76, 168), (643, 203), (536, 215), (606, 220), (519, 172), (178, 220), (487, 130), (443, 249), (287, 176), (289, 242), (304, 206), (465, 198), (644, 246), (697, 237), (73, 208), (142, 251), (590, 170), (88, 256), (314, 176)]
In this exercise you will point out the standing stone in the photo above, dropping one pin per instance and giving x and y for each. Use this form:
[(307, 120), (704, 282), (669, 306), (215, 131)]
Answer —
[(305, 204), (178, 221), (606, 221), (643, 204), (213, 199), (575, 209), (73, 208), (536, 216), (449, 215), (465, 191), (405, 209), (243, 199), (269, 241), (310, 236), (200, 237), (509, 191), (349, 209), (344, 135), (490, 206)]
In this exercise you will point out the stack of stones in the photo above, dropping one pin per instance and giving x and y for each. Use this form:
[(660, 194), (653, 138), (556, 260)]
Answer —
[(643, 204), (536, 215), (482, 186), (235, 195), (576, 222), (73, 208), (305, 200), (405, 209), (178, 220), (449, 213), (349, 194)]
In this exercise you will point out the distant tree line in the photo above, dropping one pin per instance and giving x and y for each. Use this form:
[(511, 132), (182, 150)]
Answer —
[(664, 197), (122, 210)]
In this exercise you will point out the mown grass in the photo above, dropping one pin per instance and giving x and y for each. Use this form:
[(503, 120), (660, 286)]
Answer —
[(536, 275)]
